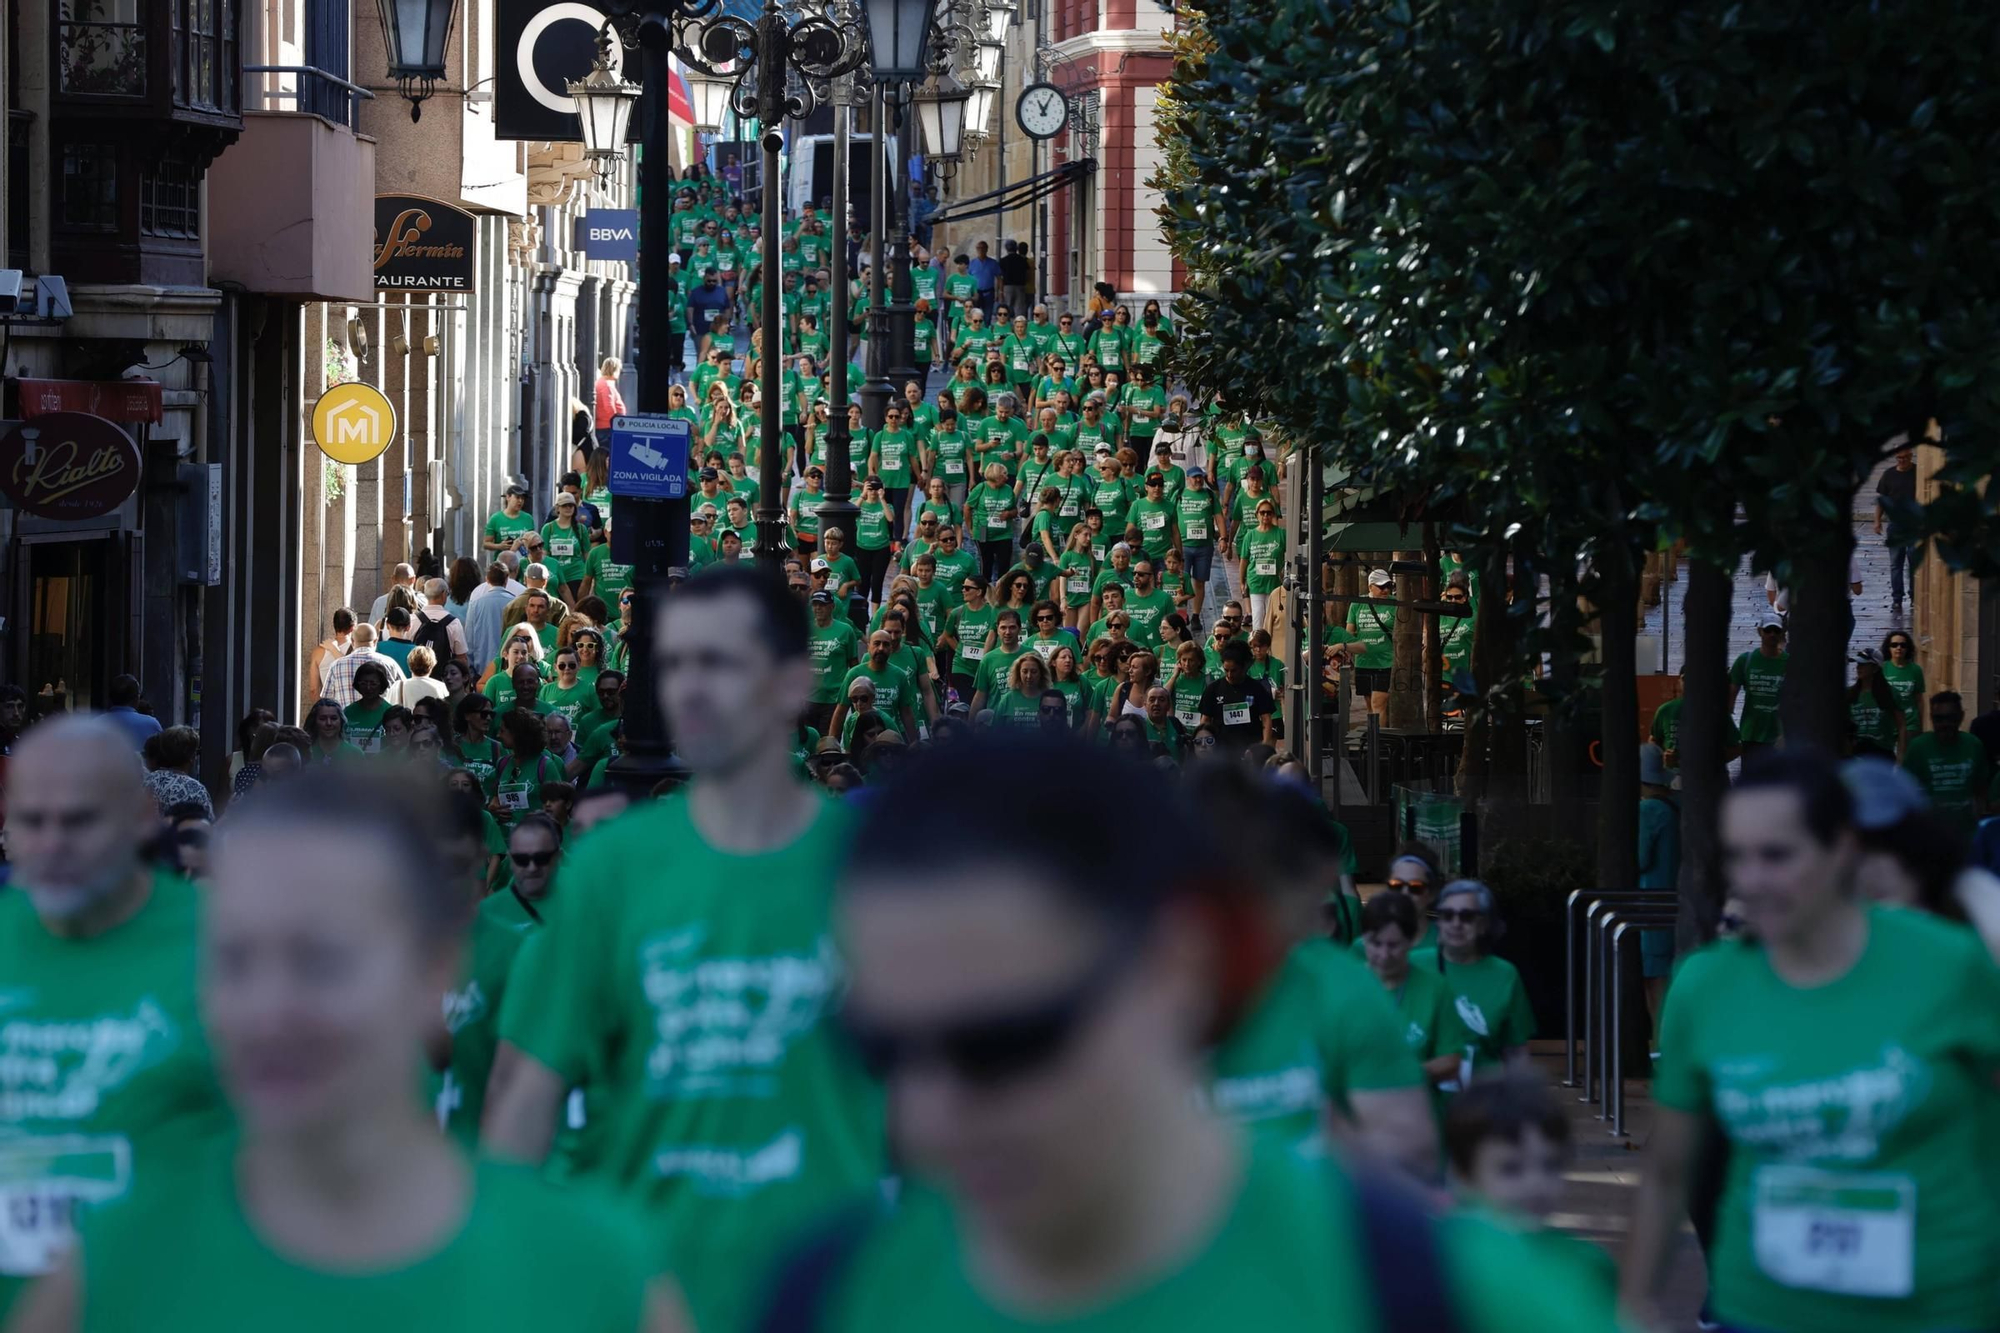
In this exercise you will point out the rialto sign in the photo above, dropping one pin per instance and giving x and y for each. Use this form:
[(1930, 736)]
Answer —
[(68, 465), (423, 245), (609, 233)]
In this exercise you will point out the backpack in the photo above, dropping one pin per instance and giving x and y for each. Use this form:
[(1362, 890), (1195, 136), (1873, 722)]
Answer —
[(436, 636), (1399, 1250)]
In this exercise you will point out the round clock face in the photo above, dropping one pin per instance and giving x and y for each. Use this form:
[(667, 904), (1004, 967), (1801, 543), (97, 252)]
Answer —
[(1042, 110)]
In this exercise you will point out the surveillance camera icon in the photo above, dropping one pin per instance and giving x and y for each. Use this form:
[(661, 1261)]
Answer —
[(651, 457)]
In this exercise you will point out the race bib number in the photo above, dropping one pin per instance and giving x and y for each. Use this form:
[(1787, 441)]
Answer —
[(1070, 507), (1846, 1233), (514, 795), (564, 547), (1265, 569), (972, 652), (954, 467), (1197, 529), (45, 1184), (1153, 522), (1236, 715), (1097, 550), (1080, 585), (1188, 717)]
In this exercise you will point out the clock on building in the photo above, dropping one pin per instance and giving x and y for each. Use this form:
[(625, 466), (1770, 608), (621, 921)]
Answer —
[(1042, 111)]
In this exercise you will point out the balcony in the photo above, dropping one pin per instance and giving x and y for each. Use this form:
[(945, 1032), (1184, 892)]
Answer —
[(165, 63), (100, 59), (291, 204)]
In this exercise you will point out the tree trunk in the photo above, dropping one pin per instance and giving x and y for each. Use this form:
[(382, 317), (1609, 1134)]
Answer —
[(1405, 710), (1813, 704), (1703, 724), (1618, 794), (1496, 741), (1433, 641)]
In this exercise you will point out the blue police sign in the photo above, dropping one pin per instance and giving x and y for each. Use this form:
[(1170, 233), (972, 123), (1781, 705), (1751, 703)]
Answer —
[(609, 233), (649, 457)]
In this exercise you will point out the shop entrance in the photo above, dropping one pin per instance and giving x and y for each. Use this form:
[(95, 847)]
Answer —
[(73, 602)]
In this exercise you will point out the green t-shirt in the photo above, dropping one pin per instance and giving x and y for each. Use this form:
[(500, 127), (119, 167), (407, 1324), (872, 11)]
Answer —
[(1112, 495), (1197, 512), (1294, 1224), (835, 649), (1144, 403), (1264, 560), (607, 577), (1374, 627), (950, 446), (895, 689), (572, 703), (363, 728), (1146, 611), (567, 551), (1322, 1030), (871, 526), (1859, 1115), (105, 1077), (699, 984), (1075, 571), (1909, 685), (1759, 677), (1155, 519), (952, 567), (988, 506), (1872, 721), (1422, 1003), (472, 1014), (842, 571), (187, 1257), (517, 785), (1956, 775), (1488, 1014), (898, 452), (504, 527), (993, 668)]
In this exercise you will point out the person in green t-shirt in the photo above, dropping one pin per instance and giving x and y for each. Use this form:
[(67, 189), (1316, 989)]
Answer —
[(328, 955), (505, 529), (998, 659), (515, 788), (892, 689), (603, 577), (1146, 605), (1374, 631), (1141, 405), (1489, 1023), (688, 968), (1260, 552), (568, 694), (1153, 514), (1386, 931), (1950, 765), (1104, 1103), (835, 650), (107, 1077), (1757, 676), (1905, 675), (1846, 1054), (567, 546), (1872, 709)]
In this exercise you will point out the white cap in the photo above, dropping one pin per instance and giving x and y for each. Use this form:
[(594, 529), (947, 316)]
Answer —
[(1378, 578)]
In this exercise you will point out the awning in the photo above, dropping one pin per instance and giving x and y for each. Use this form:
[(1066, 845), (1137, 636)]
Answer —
[(114, 400)]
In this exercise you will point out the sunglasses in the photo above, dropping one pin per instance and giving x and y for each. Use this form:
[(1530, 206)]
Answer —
[(1205, 742), (1410, 885), (526, 859), (1461, 915), (993, 1050)]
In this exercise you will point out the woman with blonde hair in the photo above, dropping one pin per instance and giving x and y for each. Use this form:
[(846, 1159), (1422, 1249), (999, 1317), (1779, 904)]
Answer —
[(1019, 705)]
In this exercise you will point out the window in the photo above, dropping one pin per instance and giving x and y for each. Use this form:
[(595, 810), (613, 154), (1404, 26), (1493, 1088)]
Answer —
[(101, 48), (90, 186), (202, 53), (170, 202)]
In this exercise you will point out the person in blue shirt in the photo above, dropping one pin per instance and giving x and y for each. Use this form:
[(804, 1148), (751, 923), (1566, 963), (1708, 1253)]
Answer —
[(985, 270), (122, 701)]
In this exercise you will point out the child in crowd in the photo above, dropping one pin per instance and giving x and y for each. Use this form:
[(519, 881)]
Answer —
[(1507, 1144)]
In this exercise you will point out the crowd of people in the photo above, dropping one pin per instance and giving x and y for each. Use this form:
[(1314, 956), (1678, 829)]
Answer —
[(985, 962)]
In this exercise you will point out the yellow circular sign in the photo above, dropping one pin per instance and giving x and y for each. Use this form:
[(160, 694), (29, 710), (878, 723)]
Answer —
[(353, 423)]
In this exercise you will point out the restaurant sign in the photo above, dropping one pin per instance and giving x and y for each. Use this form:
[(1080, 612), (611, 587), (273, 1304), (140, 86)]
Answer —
[(68, 465), (422, 245)]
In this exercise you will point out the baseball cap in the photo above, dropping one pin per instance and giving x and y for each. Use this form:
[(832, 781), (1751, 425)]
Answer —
[(1103, 450), (822, 596), (1884, 795), (1770, 620), (709, 474), (1378, 578), (957, 708), (1868, 657), (1034, 555), (820, 565), (565, 499), (1197, 472), (1155, 479), (516, 488)]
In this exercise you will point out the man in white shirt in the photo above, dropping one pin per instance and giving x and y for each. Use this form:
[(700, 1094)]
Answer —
[(431, 611)]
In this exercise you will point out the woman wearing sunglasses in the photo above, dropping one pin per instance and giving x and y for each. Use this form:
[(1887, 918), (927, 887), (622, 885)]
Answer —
[(1040, 1015), (1489, 1023), (1906, 677)]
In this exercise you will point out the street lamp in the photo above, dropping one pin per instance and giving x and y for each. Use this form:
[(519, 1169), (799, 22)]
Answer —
[(709, 96), (898, 37), (987, 62), (604, 104), (414, 34), (941, 107), (979, 110), (997, 19)]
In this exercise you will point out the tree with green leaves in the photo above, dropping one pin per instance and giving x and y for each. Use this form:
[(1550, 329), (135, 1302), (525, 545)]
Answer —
[(1606, 272)]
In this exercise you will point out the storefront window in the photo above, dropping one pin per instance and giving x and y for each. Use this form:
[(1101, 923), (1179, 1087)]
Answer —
[(67, 619)]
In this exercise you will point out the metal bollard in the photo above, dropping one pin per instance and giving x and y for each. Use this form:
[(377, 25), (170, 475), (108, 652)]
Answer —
[(1617, 925), (1597, 981), (1580, 901)]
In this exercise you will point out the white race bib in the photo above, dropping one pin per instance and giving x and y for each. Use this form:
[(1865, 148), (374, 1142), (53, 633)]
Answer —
[(1188, 717), (514, 795), (1153, 522), (954, 467), (562, 546), (1265, 569), (1079, 585), (1848, 1233), (1236, 715), (44, 1184), (972, 652)]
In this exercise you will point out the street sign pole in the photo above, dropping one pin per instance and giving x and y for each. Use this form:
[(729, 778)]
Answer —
[(658, 536)]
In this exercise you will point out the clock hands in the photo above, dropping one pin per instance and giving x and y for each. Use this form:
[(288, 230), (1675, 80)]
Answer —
[(1047, 102)]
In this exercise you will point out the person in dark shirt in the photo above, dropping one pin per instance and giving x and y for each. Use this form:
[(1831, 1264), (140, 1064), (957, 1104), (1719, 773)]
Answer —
[(1014, 271), (707, 301), (1898, 487), (1237, 708)]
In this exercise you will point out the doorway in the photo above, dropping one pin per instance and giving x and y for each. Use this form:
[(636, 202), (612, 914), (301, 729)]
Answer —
[(72, 643)]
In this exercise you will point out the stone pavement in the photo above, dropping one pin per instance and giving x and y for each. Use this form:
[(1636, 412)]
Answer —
[(1872, 617)]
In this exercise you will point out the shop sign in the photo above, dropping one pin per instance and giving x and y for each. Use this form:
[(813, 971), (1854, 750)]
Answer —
[(422, 245), (68, 466), (353, 423), (609, 233)]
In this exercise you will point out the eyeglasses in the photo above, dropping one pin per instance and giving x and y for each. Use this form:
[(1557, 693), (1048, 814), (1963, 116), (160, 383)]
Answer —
[(1460, 915), (1045, 620), (993, 1050), (526, 859)]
